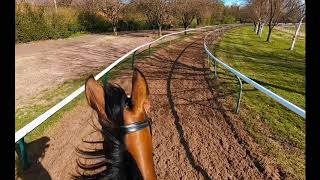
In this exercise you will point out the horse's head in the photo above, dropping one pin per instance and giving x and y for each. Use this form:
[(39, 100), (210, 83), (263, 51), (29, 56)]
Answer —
[(139, 143), (125, 117)]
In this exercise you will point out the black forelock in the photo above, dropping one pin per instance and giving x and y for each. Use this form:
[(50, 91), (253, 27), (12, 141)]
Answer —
[(115, 101), (118, 162)]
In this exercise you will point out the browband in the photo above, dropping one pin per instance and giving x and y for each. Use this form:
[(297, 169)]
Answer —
[(136, 126)]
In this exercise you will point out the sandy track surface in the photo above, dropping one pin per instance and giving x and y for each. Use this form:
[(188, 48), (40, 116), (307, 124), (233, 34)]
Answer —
[(45, 64), (196, 134)]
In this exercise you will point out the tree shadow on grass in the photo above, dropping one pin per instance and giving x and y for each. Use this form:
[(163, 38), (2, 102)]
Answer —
[(278, 87)]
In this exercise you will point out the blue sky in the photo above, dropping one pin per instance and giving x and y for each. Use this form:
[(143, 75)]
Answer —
[(230, 2)]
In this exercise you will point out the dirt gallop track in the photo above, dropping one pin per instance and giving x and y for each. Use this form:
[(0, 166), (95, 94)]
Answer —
[(196, 134), (46, 64)]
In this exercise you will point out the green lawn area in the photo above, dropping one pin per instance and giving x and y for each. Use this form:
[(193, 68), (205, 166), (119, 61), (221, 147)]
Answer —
[(293, 28), (282, 71)]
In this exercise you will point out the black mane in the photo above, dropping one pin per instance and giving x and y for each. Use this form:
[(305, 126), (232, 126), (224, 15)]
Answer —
[(118, 163)]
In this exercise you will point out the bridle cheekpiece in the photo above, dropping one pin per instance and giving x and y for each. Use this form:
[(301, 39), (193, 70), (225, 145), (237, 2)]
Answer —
[(137, 126)]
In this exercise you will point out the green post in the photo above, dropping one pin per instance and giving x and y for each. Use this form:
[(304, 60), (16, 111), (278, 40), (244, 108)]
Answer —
[(134, 53), (215, 69), (105, 78), (239, 96), (209, 66), (149, 50), (23, 153)]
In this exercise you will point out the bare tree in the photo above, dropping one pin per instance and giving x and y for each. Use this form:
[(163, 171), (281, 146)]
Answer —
[(217, 11), (259, 10), (185, 10), (278, 11), (157, 11), (301, 16), (112, 9), (263, 15), (55, 6), (245, 15), (204, 10)]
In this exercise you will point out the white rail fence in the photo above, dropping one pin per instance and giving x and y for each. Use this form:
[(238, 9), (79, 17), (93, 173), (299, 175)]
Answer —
[(240, 76), (39, 120), (21, 133)]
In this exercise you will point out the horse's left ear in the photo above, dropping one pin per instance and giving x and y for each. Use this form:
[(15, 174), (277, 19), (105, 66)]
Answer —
[(95, 96), (140, 92)]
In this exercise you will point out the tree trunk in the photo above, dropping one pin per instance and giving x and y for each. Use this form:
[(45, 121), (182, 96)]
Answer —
[(185, 28), (257, 26), (115, 30), (296, 35), (153, 29), (55, 5), (260, 30), (254, 26), (269, 34), (160, 32)]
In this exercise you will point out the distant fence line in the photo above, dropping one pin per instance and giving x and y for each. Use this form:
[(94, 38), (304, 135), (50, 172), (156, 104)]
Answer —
[(240, 77)]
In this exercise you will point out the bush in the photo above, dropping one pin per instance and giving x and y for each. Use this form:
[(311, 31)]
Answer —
[(36, 23), (93, 22), (228, 19), (30, 25), (193, 23), (133, 25), (39, 22)]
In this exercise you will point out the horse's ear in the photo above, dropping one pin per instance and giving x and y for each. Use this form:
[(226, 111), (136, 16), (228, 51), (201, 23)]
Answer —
[(140, 92), (95, 96)]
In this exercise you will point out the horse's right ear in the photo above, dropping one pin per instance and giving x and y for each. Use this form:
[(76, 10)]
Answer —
[(95, 96)]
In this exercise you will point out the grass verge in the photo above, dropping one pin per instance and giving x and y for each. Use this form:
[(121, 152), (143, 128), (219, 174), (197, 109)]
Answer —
[(280, 132)]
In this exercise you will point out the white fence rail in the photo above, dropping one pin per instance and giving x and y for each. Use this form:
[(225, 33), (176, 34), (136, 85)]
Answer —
[(269, 93), (43, 117)]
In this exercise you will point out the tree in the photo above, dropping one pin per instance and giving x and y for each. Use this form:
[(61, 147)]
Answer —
[(300, 15), (217, 12), (112, 9), (204, 10), (259, 10), (157, 11), (64, 2), (185, 10), (245, 15), (278, 11)]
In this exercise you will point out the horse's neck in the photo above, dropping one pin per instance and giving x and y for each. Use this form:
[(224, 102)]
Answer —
[(128, 168), (132, 169), (139, 144)]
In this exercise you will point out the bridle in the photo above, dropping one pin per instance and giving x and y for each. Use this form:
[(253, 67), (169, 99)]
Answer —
[(137, 126), (134, 127)]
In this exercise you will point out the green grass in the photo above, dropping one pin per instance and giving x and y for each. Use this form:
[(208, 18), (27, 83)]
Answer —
[(282, 71), (293, 28), (44, 102), (77, 34)]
